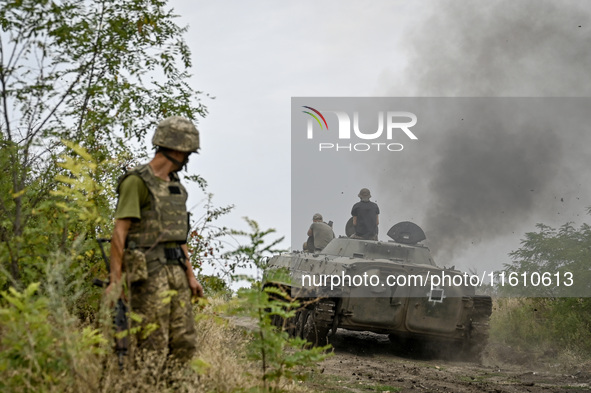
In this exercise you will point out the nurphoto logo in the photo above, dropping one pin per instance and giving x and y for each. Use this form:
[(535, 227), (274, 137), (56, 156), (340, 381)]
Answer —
[(396, 124)]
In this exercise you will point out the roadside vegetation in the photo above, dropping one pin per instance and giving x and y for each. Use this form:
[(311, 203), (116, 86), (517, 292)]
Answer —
[(552, 326), (82, 85)]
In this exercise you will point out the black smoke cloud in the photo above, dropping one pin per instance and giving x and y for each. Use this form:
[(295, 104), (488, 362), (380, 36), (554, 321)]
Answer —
[(484, 180), (488, 180), (500, 48)]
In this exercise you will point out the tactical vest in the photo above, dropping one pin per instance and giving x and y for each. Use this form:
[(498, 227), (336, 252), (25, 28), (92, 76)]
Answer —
[(167, 219)]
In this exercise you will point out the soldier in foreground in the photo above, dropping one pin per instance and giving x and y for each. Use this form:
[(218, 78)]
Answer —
[(319, 234), (149, 244), (366, 217)]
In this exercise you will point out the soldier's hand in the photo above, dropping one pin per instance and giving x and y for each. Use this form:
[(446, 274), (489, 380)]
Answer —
[(113, 292), (196, 288)]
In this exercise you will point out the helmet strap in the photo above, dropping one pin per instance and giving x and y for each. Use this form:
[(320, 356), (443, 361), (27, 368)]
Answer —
[(180, 164)]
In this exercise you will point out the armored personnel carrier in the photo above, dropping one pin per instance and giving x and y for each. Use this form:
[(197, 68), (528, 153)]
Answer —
[(389, 287)]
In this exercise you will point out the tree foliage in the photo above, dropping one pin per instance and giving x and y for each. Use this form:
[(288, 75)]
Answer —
[(99, 73), (562, 253), (255, 253), (81, 82), (206, 240), (552, 317)]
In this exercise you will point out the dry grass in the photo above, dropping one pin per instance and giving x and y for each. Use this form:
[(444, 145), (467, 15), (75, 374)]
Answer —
[(220, 360)]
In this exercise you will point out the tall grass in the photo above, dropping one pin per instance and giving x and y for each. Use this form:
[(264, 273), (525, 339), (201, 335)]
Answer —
[(221, 355)]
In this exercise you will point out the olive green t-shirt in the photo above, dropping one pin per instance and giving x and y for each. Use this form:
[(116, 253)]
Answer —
[(133, 198)]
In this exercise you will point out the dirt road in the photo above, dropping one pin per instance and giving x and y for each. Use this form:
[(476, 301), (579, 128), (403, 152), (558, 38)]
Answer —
[(367, 362)]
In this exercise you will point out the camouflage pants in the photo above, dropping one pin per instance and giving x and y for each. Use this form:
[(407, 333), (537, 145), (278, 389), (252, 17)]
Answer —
[(163, 301)]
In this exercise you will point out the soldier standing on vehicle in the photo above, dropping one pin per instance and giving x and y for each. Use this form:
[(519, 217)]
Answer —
[(149, 244), (319, 234), (366, 217)]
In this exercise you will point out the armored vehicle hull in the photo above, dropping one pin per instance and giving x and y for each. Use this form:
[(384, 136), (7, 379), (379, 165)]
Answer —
[(391, 287)]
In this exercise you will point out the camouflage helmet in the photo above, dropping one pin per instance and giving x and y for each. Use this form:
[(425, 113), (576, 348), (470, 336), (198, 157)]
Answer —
[(364, 194), (177, 133), (316, 217)]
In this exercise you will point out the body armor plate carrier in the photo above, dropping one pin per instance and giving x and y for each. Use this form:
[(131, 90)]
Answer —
[(167, 219)]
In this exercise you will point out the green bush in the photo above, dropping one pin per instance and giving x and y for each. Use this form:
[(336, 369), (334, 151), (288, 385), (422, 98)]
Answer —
[(543, 325), (37, 354), (215, 286)]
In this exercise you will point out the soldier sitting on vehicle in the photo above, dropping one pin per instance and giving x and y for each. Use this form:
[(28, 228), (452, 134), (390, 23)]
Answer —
[(319, 234)]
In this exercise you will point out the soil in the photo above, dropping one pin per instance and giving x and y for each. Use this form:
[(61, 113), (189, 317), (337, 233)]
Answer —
[(367, 362)]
